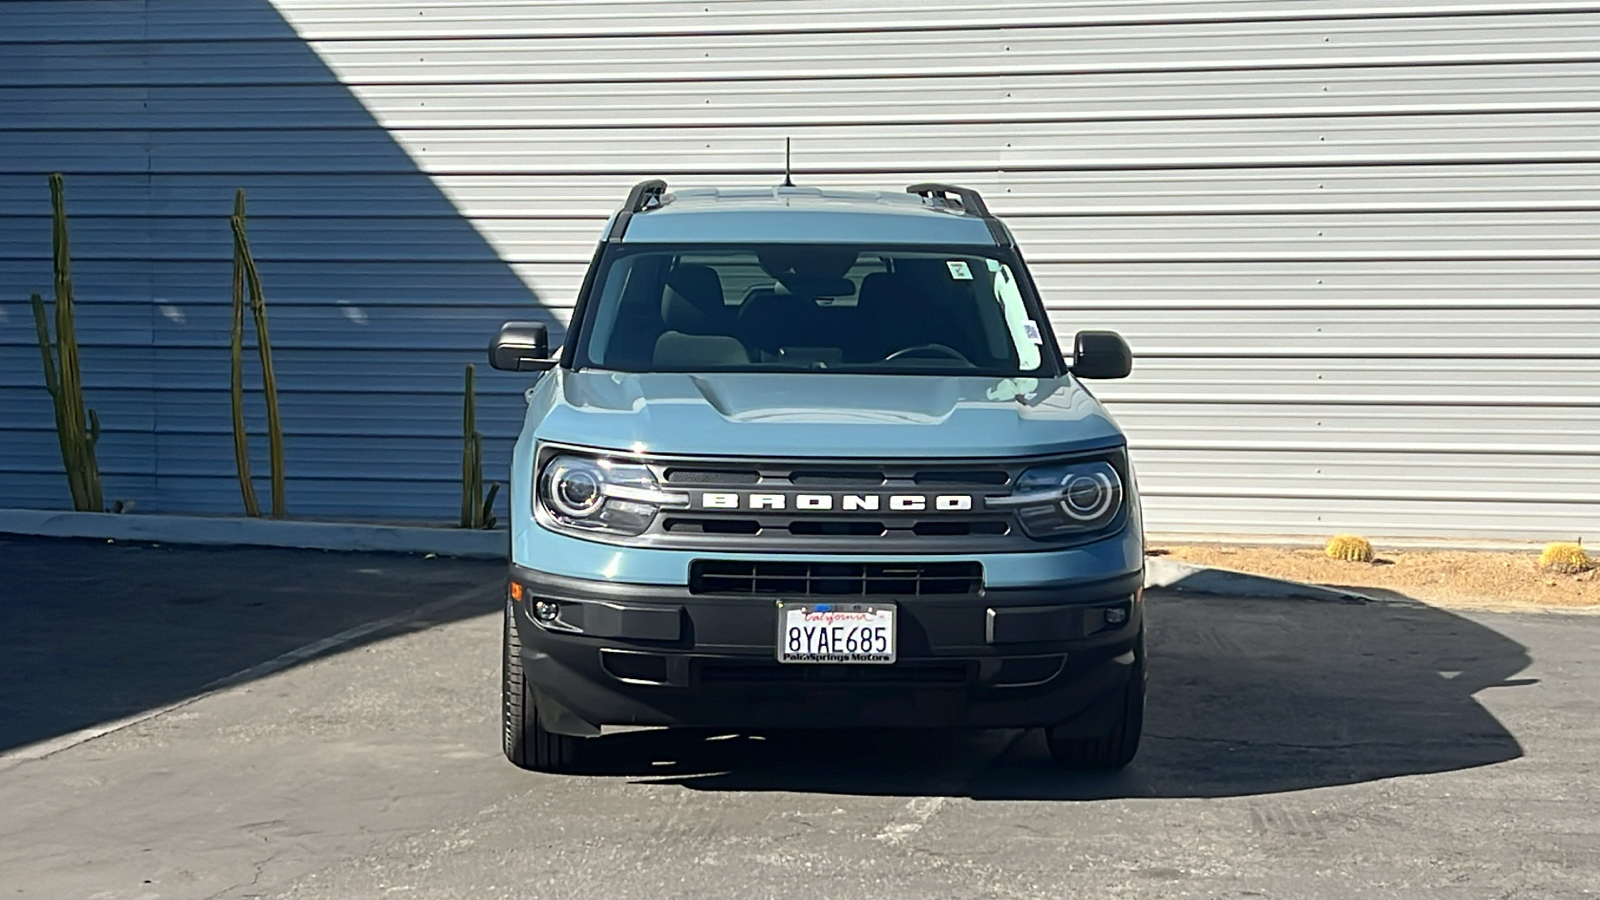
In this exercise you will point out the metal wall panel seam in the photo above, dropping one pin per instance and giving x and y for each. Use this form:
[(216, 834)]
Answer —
[(322, 18)]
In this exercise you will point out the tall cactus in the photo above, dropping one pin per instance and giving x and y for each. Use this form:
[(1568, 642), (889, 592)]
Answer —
[(241, 438), (477, 511), (471, 460), (245, 272), (77, 428)]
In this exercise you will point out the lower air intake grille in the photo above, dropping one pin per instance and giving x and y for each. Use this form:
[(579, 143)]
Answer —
[(776, 673), (798, 579)]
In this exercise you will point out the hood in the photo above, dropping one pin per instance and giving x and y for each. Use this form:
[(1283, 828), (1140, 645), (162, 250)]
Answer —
[(812, 414)]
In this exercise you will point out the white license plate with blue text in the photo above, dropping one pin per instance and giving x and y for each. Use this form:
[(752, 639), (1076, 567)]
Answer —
[(836, 632)]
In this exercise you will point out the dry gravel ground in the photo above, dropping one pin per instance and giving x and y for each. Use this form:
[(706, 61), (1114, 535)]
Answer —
[(1479, 579)]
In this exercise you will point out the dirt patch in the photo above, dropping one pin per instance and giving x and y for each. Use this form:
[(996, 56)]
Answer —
[(1445, 577)]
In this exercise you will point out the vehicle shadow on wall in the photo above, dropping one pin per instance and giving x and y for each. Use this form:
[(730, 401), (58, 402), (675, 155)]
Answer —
[(1246, 697)]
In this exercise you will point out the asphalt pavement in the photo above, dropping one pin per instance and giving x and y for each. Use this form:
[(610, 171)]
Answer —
[(308, 725)]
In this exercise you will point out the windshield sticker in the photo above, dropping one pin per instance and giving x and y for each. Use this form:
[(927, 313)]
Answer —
[(959, 270), (1024, 330)]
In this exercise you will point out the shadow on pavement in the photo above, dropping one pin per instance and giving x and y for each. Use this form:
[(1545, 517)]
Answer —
[(92, 632), (1246, 697)]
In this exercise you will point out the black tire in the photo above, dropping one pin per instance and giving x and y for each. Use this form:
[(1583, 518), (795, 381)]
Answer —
[(1113, 744), (526, 743)]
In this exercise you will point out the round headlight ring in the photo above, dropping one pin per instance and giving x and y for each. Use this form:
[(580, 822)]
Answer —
[(1087, 496), (573, 488)]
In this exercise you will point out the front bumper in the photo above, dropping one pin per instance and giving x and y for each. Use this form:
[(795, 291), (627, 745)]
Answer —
[(629, 654)]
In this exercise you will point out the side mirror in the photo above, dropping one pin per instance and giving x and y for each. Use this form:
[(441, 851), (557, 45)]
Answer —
[(1101, 354), (521, 347)]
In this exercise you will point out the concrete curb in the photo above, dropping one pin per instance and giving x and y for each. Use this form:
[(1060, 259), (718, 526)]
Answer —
[(1181, 576), (1317, 542), (257, 532)]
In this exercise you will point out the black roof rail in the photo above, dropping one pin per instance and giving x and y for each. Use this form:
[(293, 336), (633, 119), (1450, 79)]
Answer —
[(640, 195), (639, 200), (971, 201)]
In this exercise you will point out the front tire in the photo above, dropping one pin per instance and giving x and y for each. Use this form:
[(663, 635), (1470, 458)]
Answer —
[(1105, 738), (527, 744)]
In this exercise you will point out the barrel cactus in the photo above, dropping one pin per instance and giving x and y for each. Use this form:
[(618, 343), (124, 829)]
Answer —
[(1350, 548), (1565, 558)]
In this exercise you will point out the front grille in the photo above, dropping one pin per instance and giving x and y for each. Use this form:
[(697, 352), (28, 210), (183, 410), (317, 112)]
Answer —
[(808, 579), (809, 507), (712, 476), (865, 529), (994, 477), (679, 525), (826, 527), (835, 478), (729, 672), (960, 527)]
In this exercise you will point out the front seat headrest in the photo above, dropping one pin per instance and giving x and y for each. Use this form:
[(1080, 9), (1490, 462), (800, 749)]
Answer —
[(691, 301)]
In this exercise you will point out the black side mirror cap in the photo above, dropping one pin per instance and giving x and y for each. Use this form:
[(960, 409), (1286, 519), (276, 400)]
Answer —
[(1101, 354), (521, 347)]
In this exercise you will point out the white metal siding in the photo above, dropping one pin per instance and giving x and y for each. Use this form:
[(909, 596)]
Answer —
[(1355, 246)]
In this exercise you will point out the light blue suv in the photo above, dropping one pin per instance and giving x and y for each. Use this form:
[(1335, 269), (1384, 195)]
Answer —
[(814, 459)]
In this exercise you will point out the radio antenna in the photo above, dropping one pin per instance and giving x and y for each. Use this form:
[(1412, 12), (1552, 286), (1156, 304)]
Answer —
[(788, 181)]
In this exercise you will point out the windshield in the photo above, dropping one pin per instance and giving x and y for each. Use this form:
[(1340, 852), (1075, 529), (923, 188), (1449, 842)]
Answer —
[(811, 307)]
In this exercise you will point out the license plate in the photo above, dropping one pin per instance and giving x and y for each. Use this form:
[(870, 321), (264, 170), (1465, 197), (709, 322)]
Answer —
[(836, 632)]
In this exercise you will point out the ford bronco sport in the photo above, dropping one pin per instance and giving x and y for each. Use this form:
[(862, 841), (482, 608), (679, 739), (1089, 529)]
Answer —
[(813, 459)]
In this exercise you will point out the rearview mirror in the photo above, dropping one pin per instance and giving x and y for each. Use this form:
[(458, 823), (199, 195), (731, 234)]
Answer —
[(521, 347), (1101, 354)]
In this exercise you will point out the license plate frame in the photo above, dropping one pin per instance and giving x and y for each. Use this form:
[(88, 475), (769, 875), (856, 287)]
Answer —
[(844, 623)]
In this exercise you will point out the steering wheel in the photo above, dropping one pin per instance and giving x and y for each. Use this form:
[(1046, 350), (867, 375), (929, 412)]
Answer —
[(928, 350)]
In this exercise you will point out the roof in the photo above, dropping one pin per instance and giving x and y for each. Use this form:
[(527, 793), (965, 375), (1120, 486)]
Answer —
[(803, 214)]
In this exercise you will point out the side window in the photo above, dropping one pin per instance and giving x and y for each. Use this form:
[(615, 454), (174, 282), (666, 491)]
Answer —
[(629, 319), (605, 325), (1024, 332)]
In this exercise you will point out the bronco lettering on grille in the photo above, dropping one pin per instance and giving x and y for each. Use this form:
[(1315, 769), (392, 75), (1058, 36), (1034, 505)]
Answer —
[(829, 502)]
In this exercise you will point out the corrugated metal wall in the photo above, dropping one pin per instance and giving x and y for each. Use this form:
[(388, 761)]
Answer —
[(379, 291), (1356, 245)]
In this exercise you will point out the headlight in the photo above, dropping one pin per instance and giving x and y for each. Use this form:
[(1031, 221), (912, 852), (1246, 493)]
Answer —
[(600, 494), (572, 487), (1065, 499)]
